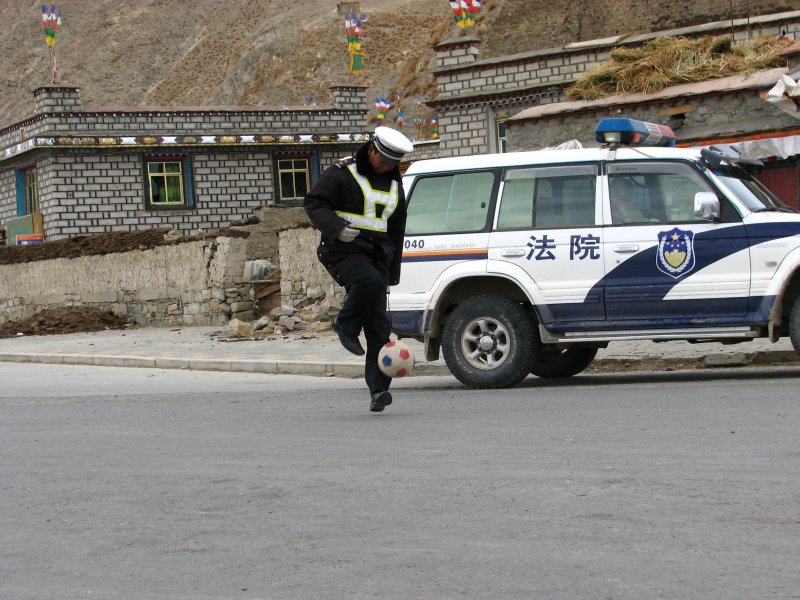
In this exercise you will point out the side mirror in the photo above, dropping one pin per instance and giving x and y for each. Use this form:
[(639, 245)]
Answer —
[(706, 206)]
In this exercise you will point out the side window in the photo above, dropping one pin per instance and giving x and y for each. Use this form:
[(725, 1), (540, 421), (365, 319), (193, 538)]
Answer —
[(31, 193), (294, 176), (653, 192), (548, 197), (167, 183), (450, 203)]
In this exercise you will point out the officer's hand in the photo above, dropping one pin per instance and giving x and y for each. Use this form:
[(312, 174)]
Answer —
[(348, 234)]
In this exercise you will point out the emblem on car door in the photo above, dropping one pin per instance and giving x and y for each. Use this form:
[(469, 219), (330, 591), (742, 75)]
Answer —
[(675, 256)]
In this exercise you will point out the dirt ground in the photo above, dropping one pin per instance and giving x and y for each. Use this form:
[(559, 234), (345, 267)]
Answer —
[(103, 243), (66, 319)]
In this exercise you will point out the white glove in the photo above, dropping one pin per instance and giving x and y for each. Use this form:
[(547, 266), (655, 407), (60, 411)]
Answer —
[(348, 234)]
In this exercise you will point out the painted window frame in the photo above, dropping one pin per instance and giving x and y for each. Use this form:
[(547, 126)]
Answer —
[(297, 198), (187, 200), (500, 135)]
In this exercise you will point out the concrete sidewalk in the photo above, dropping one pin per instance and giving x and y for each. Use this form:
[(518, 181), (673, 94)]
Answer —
[(307, 353)]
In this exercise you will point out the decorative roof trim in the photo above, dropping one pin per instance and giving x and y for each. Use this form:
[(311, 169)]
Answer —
[(516, 96), (174, 141)]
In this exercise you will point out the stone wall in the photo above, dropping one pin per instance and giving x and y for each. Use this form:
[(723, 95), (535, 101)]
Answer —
[(302, 275), (190, 283), (710, 116)]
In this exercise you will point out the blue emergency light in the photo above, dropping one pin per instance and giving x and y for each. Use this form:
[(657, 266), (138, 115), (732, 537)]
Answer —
[(630, 132)]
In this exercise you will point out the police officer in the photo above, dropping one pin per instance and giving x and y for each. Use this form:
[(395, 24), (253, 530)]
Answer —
[(359, 207)]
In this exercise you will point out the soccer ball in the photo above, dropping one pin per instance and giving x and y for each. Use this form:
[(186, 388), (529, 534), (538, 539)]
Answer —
[(395, 359)]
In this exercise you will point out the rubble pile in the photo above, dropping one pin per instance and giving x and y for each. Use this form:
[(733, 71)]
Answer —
[(311, 313)]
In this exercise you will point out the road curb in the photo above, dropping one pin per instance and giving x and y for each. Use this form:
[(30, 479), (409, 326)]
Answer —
[(350, 370)]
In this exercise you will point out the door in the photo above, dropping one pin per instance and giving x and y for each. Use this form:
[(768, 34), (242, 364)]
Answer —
[(547, 231), (666, 267)]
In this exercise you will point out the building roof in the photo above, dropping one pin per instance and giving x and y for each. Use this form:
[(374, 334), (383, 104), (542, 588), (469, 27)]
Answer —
[(759, 80)]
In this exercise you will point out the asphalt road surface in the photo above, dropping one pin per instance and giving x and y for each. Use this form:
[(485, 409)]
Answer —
[(153, 484)]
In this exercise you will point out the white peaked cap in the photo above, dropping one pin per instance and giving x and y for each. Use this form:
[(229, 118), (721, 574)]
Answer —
[(391, 144)]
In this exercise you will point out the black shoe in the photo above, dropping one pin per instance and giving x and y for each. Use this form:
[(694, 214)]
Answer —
[(380, 400), (350, 343)]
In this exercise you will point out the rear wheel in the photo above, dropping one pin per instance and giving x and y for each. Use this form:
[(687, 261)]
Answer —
[(554, 362), (489, 342), (794, 325)]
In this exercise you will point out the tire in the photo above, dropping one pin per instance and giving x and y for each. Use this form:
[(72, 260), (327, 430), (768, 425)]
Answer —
[(794, 325), (553, 362), (489, 342)]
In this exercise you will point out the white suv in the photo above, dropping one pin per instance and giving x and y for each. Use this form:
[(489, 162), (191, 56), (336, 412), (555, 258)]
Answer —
[(529, 262)]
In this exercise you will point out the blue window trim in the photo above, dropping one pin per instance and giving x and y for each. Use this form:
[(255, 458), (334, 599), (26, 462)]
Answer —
[(21, 204)]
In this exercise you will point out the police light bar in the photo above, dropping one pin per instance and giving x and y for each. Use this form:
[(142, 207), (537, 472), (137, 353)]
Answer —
[(630, 132)]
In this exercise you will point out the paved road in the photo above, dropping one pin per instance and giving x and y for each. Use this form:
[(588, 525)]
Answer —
[(153, 484)]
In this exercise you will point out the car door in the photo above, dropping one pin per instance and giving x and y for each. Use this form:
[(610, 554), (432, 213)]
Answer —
[(547, 234), (667, 267)]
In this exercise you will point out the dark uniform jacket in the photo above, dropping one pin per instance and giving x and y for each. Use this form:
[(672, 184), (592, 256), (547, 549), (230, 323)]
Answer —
[(338, 190)]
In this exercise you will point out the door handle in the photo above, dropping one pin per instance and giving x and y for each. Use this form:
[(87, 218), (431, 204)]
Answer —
[(513, 253), (626, 248)]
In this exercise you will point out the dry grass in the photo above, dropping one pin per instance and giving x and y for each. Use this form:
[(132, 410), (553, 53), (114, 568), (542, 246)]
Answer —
[(667, 61)]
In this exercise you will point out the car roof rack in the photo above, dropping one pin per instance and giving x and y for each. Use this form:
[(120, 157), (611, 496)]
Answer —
[(717, 155)]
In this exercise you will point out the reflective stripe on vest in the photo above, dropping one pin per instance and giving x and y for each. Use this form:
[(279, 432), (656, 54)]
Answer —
[(369, 219)]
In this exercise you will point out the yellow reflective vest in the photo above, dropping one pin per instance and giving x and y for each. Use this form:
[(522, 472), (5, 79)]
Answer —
[(369, 219)]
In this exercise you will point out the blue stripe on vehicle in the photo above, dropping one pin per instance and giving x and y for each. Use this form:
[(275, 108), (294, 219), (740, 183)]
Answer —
[(710, 247)]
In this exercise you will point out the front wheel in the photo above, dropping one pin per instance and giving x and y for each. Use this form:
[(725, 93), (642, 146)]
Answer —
[(553, 362), (489, 342)]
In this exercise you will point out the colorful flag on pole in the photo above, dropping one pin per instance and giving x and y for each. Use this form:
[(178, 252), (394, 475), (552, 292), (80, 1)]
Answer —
[(51, 21), (354, 28), (383, 106), (465, 12), (357, 63)]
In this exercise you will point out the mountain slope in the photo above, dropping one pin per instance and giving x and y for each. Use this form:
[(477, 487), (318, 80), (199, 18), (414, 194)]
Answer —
[(278, 52)]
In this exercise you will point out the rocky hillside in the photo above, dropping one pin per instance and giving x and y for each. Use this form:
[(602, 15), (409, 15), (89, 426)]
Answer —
[(278, 52)]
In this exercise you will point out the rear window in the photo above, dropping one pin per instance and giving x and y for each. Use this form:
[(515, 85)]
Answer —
[(450, 203)]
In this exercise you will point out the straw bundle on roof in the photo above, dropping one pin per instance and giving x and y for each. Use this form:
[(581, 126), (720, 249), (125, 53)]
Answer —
[(667, 61)]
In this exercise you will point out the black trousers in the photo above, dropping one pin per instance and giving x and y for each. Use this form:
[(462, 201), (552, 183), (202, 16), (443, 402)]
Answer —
[(364, 309)]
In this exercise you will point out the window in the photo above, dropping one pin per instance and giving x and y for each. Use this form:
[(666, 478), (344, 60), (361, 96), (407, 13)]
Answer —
[(654, 192), (450, 204), (31, 196), (167, 185), (548, 197), (501, 135), (27, 191), (294, 177)]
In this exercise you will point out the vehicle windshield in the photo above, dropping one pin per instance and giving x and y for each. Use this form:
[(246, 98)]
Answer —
[(751, 192)]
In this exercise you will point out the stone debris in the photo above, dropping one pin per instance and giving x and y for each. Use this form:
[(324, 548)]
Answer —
[(310, 313)]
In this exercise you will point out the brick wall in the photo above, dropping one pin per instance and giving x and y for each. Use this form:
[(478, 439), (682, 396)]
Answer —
[(472, 93)]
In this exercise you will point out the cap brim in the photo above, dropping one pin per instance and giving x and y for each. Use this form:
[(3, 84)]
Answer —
[(392, 162)]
